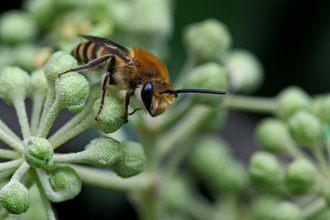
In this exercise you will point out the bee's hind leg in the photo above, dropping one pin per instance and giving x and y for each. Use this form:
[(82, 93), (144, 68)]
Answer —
[(106, 81), (127, 99), (91, 64)]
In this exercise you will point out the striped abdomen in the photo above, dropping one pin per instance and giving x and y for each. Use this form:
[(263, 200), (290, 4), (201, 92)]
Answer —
[(87, 51)]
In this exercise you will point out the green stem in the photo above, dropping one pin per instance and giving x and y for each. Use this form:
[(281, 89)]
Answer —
[(12, 142), (38, 101), (314, 208), (188, 65), (5, 174), (317, 152), (198, 209), (9, 154), (22, 117), (14, 164), (47, 205), (7, 130), (85, 124), (73, 122), (79, 157), (49, 119), (251, 104), (50, 98), (110, 181), (20, 172)]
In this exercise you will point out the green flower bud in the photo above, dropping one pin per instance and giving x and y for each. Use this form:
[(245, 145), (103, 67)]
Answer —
[(25, 56), (264, 170), (151, 17), (177, 193), (245, 70), (66, 183), (38, 82), (321, 107), (132, 161), (232, 179), (300, 176), (291, 100), (286, 211), (14, 84), (262, 205), (211, 155), (6, 56), (15, 198), (207, 40), (72, 90), (274, 135), (43, 11), (111, 117), (17, 27), (103, 151), (38, 152), (59, 62), (210, 76), (305, 127)]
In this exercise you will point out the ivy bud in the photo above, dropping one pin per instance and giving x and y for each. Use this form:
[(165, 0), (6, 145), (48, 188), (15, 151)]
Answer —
[(300, 176), (25, 56), (42, 11), (304, 127), (210, 155), (264, 170), (39, 84), (38, 152), (321, 107), (273, 135), (72, 90), (132, 161), (17, 27), (291, 100), (6, 56), (103, 152), (177, 192), (286, 211), (111, 117), (14, 84), (207, 40), (245, 71), (210, 76), (262, 205), (15, 198), (59, 62), (66, 183)]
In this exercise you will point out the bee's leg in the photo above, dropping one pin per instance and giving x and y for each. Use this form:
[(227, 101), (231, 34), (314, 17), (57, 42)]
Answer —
[(135, 110), (127, 99), (91, 64), (106, 82)]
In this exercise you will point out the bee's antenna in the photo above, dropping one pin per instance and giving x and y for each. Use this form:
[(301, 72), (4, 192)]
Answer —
[(175, 92)]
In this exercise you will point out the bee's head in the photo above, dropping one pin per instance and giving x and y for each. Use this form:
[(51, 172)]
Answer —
[(153, 100)]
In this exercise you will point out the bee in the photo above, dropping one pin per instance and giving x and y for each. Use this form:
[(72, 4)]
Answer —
[(137, 71)]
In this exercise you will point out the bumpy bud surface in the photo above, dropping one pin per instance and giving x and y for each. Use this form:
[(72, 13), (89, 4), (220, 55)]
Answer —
[(59, 62), (209, 76), (103, 152), (291, 100), (111, 117), (72, 90), (132, 161), (273, 135), (38, 152), (300, 176), (65, 182), (304, 127), (15, 198), (17, 27), (207, 39), (286, 211), (245, 70), (14, 84), (264, 170)]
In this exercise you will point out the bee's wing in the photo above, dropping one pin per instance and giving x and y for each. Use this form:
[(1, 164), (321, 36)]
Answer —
[(110, 46)]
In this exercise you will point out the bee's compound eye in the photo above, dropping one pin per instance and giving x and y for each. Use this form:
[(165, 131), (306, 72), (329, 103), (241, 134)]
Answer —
[(146, 95)]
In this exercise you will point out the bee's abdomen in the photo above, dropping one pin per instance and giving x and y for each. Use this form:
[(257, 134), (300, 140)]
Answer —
[(85, 52)]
